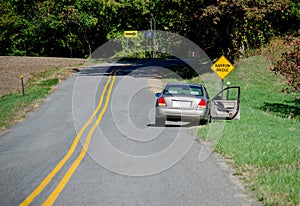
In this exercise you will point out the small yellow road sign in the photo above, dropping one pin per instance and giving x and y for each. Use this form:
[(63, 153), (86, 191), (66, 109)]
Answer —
[(130, 34), (222, 67)]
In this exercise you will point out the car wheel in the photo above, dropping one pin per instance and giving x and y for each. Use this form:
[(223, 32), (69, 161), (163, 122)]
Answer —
[(159, 121), (204, 121)]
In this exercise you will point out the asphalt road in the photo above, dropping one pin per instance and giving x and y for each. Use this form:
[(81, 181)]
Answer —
[(121, 157)]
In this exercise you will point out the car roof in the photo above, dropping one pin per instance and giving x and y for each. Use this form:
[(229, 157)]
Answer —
[(184, 84)]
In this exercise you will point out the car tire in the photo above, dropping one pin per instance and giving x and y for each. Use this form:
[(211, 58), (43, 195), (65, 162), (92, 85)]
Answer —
[(159, 121), (204, 121)]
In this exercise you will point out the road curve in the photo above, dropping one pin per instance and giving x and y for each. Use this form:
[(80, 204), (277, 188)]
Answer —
[(121, 157)]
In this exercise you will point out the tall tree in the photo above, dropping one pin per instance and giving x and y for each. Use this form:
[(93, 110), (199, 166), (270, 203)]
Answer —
[(75, 28)]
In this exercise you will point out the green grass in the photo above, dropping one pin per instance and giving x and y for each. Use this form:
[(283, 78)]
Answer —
[(265, 143), (14, 107)]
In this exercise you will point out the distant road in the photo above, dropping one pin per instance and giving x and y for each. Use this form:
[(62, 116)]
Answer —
[(94, 142)]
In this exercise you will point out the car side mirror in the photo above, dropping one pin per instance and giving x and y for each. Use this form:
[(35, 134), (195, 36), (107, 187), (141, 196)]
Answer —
[(157, 94)]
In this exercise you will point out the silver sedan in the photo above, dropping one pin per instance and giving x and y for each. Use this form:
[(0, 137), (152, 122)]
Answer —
[(179, 101)]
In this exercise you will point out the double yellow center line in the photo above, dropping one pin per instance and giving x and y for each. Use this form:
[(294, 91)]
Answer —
[(53, 196)]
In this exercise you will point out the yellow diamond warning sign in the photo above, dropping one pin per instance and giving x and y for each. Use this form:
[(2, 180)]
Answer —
[(222, 67)]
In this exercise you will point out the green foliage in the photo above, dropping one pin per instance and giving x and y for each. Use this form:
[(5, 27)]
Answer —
[(289, 65), (76, 28), (241, 25)]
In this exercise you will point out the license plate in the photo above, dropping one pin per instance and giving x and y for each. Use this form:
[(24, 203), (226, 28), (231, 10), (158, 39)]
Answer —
[(181, 104)]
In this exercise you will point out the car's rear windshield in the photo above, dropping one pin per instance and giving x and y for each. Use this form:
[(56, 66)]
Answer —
[(184, 90)]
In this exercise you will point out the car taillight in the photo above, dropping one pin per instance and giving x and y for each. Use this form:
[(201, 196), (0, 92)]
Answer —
[(202, 104), (161, 102)]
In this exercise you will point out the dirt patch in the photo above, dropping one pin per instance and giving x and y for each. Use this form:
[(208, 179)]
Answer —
[(155, 85), (12, 68)]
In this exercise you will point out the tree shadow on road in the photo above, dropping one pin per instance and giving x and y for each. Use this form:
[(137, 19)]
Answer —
[(155, 68)]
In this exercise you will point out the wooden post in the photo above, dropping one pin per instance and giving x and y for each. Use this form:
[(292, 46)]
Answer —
[(22, 83)]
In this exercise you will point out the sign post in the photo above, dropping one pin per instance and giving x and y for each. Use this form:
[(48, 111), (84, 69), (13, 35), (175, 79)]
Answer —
[(130, 34), (151, 35), (222, 67)]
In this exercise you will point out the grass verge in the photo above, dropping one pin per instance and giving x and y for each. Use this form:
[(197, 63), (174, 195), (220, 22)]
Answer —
[(265, 143), (15, 107)]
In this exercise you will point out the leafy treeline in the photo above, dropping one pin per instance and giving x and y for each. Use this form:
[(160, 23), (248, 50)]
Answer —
[(75, 28)]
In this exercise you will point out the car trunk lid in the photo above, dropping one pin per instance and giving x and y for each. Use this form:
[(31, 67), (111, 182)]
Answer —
[(181, 102)]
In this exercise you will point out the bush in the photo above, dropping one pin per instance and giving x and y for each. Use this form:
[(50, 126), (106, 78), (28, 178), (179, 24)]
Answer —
[(289, 65)]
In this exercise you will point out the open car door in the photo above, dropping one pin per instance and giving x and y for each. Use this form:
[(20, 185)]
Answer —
[(226, 104)]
